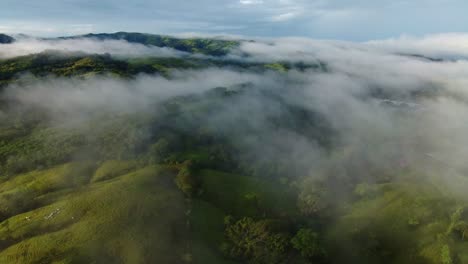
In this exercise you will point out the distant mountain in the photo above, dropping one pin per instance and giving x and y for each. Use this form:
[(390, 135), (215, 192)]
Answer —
[(207, 46), (423, 57), (5, 39), (68, 64)]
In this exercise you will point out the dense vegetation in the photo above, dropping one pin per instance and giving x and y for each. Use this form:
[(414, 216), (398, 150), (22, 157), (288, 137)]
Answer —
[(183, 182), (66, 64)]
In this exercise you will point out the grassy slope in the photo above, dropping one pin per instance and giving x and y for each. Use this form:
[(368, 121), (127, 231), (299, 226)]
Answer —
[(243, 195), (231, 194), (207, 233), (134, 218), (131, 209), (126, 210), (405, 222)]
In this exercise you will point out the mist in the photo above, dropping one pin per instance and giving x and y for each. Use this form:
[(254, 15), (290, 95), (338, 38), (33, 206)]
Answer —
[(375, 111), (359, 95), (119, 48)]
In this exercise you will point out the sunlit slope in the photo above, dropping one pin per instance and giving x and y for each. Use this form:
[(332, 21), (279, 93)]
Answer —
[(405, 221), (54, 63), (137, 217)]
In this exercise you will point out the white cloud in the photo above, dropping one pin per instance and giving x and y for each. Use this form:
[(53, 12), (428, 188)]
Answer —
[(250, 2), (444, 45), (285, 16), (46, 29), (25, 46), (376, 133)]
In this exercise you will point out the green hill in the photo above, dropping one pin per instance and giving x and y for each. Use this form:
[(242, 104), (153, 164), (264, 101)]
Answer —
[(53, 63), (212, 47)]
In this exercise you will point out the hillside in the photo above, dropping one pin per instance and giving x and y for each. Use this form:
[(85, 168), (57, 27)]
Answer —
[(5, 39), (214, 47), (71, 64), (225, 155)]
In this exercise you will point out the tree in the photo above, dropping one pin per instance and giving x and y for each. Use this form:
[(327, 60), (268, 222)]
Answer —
[(159, 150), (255, 242), (18, 164), (185, 179), (461, 228), (313, 198), (307, 242)]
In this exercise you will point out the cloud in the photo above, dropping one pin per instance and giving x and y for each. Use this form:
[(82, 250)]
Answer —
[(250, 2), (285, 16), (27, 45), (45, 29), (336, 19), (386, 108), (78, 98), (447, 45)]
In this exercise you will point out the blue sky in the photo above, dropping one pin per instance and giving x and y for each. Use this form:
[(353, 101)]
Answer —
[(355, 20)]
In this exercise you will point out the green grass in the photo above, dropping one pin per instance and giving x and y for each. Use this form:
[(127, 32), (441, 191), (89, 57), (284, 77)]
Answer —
[(207, 222), (136, 218), (277, 67), (245, 195), (207, 230), (26, 190), (400, 223), (113, 168)]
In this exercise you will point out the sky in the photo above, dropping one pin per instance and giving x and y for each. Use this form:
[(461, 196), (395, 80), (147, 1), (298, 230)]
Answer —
[(351, 20)]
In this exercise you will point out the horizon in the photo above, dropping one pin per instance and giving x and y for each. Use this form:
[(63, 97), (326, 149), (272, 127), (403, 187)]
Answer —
[(334, 20), (447, 46)]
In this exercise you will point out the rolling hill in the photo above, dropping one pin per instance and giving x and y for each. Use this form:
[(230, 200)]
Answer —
[(215, 157)]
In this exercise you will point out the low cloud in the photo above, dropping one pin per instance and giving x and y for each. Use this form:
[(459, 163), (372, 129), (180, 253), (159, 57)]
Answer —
[(27, 45), (69, 98), (250, 2), (285, 16), (388, 107), (390, 110), (449, 45)]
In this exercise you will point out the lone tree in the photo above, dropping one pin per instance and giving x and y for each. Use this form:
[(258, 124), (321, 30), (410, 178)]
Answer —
[(307, 242), (255, 242), (185, 179)]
